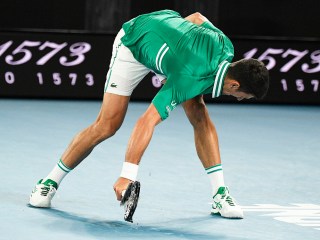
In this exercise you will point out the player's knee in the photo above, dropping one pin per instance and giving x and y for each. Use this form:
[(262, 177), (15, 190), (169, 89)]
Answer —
[(104, 130), (196, 113)]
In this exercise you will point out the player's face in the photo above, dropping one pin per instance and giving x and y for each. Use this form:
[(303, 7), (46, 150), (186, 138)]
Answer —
[(241, 95), (231, 87)]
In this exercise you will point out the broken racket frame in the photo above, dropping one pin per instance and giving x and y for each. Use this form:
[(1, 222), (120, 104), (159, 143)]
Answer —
[(130, 200)]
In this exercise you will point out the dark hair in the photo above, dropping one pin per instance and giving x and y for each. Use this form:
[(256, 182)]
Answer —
[(252, 76)]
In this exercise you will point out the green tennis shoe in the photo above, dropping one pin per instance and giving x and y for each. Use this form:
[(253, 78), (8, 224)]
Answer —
[(225, 205), (43, 193)]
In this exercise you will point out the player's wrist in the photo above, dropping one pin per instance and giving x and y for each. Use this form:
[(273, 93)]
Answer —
[(129, 171)]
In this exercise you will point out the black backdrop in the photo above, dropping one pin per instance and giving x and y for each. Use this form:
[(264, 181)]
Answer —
[(284, 34), (285, 18)]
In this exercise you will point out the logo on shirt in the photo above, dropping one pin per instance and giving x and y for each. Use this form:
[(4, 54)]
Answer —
[(170, 107), (113, 85), (173, 104)]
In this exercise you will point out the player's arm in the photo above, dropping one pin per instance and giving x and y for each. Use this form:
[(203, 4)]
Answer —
[(139, 140), (197, 18)]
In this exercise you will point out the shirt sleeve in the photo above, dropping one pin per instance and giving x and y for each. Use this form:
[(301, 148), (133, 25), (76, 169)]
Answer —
[(209, 25), (177, 90), (165, 101)]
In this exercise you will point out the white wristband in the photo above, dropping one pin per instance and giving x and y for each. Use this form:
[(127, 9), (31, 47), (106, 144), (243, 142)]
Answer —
[(129, 171)]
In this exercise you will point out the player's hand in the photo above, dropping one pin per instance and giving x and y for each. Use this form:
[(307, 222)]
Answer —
[(120, 185)]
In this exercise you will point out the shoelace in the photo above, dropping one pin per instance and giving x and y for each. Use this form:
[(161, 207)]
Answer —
[(229, 200)]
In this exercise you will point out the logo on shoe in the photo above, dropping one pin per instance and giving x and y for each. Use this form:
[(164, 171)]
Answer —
[(218, 204), (113, 85)]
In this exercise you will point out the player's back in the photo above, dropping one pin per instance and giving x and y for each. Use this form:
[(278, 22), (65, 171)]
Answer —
[(188, 48)]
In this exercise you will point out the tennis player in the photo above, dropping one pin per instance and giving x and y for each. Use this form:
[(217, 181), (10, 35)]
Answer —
[(191, 57)]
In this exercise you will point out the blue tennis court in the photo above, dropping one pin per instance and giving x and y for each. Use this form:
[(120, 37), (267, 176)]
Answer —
[(270, 157)]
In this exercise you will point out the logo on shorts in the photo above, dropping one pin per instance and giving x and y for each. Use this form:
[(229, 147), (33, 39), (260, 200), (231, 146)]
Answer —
[(113, 85)]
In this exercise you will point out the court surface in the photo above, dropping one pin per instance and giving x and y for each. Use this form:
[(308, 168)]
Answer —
[(271, 161)]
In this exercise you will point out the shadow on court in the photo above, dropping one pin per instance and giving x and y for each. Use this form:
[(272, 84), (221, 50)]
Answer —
[(118, 229)]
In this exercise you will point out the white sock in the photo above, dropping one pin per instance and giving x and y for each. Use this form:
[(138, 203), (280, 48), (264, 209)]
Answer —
[(215, 174), (58, 172)]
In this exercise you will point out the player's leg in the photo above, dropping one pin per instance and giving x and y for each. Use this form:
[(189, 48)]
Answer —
[(123, 76), (205, 134), (206, 140), (109, 120), (207, 146)]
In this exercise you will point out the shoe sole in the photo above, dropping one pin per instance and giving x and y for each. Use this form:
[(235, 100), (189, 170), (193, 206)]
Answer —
[(39, 205), (216, 212)]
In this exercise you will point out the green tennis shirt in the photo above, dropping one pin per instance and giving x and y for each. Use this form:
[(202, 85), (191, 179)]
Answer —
[(194, 58)]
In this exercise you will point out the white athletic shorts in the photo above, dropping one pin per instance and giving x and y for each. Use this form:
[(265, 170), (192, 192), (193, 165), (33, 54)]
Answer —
[(125, 72)]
